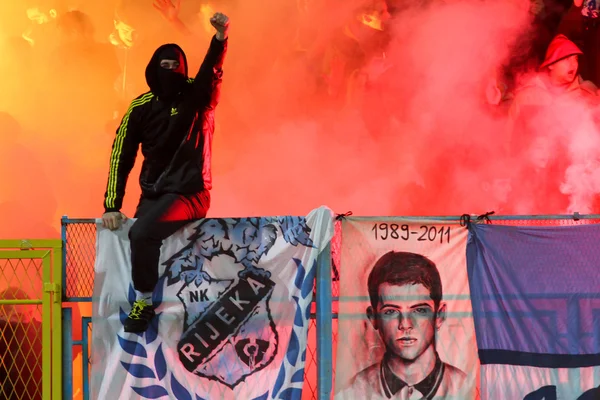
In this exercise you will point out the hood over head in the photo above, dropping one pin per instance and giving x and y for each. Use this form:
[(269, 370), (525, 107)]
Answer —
[(560, 48), (167, 83)]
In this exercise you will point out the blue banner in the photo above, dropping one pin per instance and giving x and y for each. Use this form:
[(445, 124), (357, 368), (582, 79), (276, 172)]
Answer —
[(536, 306)]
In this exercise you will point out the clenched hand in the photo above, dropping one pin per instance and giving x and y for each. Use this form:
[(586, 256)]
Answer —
[(113, 220), (220, 22)]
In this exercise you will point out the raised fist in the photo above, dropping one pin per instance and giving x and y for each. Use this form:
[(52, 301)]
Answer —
[(220, 22)]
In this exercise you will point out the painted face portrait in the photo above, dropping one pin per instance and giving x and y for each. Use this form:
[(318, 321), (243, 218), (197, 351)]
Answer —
[(402, 347), (406, 319)]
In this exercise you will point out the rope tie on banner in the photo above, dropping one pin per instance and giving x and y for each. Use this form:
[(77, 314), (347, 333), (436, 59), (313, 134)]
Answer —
[(465, 220), (486, 217), (340, 217)]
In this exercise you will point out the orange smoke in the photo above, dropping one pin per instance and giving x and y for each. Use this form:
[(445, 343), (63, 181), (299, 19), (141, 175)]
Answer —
[(354, 104)]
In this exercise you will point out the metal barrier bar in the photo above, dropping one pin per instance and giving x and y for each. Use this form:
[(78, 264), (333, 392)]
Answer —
[(68, 220), (78, 300), (85, 322), (457, 218), (67, 326), (324, 325), (46, 331), (63, 238), (30, 244), (56, 306), (18, 302)]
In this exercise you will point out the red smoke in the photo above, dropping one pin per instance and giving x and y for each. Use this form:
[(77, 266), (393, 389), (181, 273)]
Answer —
[(351, 104)]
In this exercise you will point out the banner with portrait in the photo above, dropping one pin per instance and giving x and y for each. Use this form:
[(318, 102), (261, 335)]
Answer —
[(536, 308), (232, 311), (405, 326)]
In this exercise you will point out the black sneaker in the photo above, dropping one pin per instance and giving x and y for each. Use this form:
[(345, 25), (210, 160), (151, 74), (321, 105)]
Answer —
[(139, 317)]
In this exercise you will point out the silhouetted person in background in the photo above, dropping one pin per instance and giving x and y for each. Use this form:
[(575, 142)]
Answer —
[(174, 123), (87, 68), (24, 188), (590, 13), (20, 349), (543, 112)]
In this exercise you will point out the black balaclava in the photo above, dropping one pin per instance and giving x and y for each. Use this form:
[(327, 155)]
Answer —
[(171, 81), (167, 83)]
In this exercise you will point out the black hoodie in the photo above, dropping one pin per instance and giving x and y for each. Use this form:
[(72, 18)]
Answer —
[(174, 126)]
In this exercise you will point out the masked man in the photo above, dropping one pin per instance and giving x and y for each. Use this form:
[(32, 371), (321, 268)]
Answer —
[(174, 123)]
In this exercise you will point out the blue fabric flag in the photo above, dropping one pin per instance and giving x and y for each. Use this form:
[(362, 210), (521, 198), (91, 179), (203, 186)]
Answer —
[(536, 307)]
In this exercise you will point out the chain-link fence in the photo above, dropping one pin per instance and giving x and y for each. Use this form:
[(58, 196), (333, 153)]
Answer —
[(80, 255), (30, 310), (20, 329)]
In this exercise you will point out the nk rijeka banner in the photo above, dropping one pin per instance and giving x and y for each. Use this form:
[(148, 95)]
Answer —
[(536, 306), (405, 327), (260, 270)]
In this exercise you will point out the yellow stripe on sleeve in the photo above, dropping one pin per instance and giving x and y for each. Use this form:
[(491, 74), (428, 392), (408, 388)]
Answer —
[(118, 148)]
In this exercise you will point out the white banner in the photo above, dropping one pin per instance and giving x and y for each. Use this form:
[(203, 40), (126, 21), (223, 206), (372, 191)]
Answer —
[(263, 266), (405, 322)]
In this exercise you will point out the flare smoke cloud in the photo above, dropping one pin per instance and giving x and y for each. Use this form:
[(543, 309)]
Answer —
[(352, 104)]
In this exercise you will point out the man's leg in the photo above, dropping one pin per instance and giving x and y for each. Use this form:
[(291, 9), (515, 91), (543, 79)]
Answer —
[(156, 220)]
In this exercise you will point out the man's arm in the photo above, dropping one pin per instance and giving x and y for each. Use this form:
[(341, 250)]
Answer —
[(170, 11), (207, 84), (123, 155)]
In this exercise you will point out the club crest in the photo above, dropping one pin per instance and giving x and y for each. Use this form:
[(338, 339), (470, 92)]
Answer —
[(229, 332)]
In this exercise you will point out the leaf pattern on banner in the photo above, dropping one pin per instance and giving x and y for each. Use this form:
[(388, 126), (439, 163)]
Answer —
[(300, 274), (265, 396), (133, 348), (160, 364), (309, 282), (304, 355), (179, 391), (298, 320), (152, 331), (122, 316), (293, 349), (138, 370), (299, 375), (291, 394), (307, 311), (199, 398), (279, 381), (151, 392)]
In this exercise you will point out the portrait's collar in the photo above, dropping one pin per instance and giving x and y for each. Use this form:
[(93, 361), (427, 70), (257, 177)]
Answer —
[(427, 387)]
